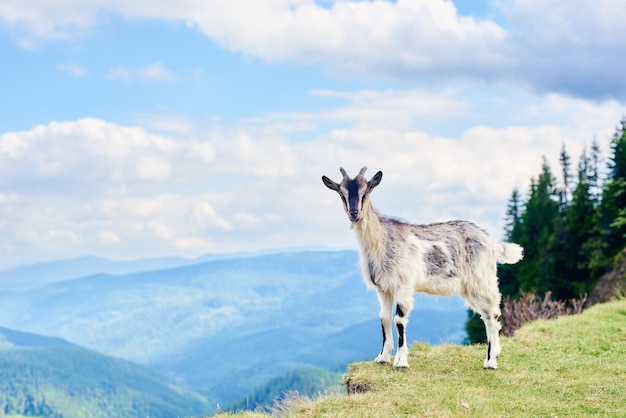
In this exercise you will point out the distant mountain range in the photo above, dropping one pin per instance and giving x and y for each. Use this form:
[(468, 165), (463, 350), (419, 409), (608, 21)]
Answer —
[(224, 326), (29, 276)]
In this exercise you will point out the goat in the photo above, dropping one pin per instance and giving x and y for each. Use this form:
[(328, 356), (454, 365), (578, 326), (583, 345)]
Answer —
[(398, 259)]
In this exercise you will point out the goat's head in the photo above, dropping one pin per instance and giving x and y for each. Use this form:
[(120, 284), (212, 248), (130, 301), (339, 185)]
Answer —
[(354, 192)]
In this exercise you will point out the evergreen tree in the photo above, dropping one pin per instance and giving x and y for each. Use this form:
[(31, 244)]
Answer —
[(579, 230), (538, 222), (513, 218), (611, 225), (475, 328), (594, 170), (559, 242), (566, 178)]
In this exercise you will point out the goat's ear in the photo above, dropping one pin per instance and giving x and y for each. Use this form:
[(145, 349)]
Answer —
[(375, 180), (330, 184)]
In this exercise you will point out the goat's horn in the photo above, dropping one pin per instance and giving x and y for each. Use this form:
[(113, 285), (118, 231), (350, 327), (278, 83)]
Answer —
[(362, 171), (343, 172)]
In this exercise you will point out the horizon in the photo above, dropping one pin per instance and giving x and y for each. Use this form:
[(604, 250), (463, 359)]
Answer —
[(217, 255)]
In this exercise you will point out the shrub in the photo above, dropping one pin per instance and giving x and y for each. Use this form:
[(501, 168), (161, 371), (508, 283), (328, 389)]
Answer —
[(530, 307)]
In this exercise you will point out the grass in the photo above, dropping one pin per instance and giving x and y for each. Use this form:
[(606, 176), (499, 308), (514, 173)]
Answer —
[(571, 366)]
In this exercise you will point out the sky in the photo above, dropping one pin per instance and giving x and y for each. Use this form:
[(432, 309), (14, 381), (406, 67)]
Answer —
[(132, 129)]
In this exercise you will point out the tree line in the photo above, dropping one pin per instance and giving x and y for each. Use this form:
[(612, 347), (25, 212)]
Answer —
[(572, 225)]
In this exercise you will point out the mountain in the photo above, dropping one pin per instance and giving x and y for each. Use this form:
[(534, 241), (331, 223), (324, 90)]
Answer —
[(43, 376), (34, 275), (228, 326)]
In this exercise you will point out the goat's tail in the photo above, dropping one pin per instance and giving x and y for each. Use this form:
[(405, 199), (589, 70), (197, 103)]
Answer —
[(510, 253)]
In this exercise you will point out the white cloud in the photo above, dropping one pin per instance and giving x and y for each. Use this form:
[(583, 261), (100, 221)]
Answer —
[(567, 46), (165, 123), (74, 70), (65, 235), (574, 47), (152, 72), (156, 72), (394, 108), (576, 22), (119, 73), (91, 186), (109, 237)]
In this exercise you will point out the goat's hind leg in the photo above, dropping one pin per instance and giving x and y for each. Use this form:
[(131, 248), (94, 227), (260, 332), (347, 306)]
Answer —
[(488, 306), (492, 328), (386, 305)]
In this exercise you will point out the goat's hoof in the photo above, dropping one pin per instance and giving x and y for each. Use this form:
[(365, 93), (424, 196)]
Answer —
[(490, 365), (383, 359), (401, 363)]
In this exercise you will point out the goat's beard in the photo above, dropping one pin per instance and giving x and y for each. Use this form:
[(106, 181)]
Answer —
[(363, 224)]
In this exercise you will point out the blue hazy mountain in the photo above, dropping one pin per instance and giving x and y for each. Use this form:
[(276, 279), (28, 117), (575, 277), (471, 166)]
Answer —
[(34, 275), (227, 326)]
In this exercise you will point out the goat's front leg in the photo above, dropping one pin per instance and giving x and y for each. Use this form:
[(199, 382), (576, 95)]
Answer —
[(386, 305), (403, 309)]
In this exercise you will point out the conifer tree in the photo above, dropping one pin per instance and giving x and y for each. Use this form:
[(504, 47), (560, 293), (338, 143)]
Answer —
[(611, 224), (579, 230), (559, 243), (566, 178), (538, 223)]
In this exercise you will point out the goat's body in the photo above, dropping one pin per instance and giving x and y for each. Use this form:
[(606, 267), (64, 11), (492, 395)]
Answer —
[(440, 259), (398, 259)]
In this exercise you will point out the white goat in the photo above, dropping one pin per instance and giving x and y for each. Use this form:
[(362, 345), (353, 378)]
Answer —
[(399, 259)]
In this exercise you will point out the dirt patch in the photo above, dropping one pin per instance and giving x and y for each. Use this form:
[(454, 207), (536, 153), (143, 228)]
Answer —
[(354, 387)]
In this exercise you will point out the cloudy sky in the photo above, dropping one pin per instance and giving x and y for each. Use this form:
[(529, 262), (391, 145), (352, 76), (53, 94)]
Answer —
[(147, 128)]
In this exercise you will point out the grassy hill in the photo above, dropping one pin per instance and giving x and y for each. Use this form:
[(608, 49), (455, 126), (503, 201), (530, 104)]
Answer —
[(572, 366)]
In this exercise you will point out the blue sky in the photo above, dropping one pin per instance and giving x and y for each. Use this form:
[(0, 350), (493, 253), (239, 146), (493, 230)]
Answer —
[(142, 129)]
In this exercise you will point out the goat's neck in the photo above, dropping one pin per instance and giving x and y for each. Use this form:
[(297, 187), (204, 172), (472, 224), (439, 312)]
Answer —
[(370, 233)]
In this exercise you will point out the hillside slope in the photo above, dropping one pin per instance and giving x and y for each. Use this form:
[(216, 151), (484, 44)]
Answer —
[(572, 366), (42, 376)]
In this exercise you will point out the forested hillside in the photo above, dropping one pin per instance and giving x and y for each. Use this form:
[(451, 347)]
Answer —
[(572, 226), (306, 382), (43, 376)]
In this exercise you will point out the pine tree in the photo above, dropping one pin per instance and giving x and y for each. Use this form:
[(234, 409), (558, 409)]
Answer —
[(560, 246), (538, 222), (579, 227), (513, 218), (566, 178), (611, 223)]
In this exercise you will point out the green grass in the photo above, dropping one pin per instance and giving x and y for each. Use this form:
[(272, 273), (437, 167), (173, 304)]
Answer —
[(572, 366)]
